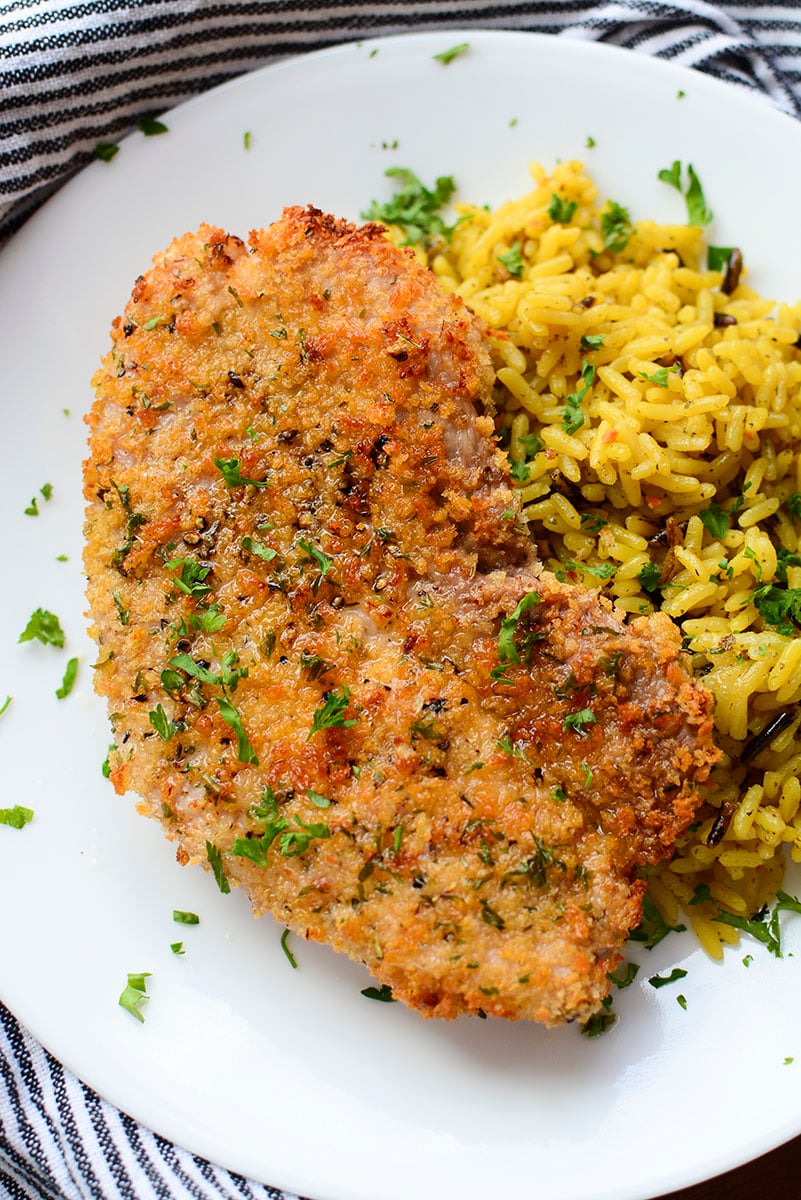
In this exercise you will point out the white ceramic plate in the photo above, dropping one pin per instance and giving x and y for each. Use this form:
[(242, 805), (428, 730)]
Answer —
[(292, 1076)]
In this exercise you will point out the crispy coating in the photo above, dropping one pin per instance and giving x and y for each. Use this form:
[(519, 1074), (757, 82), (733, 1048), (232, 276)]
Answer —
[(306, 566)]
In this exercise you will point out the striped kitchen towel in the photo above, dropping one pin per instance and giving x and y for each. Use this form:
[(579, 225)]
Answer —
[(76, 73)]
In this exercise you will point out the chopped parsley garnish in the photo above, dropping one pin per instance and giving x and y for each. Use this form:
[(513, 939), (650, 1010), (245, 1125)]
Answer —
[(16, 817), (764, 925), (5, 705), (578, 720), (123, 613), (330, 713), (244, 751), (177, 947), (573, 417), (793, 505), (785, 559), (379, 993), (508, 746), (415, 209), (258, 548), (697, 211), (682, 1002), (150, 127), (215, 862), (256, 848), (599, 570), (229, 469), (246, 138), (590, 143), (561, 210), (210, 620), (190, 580), (520, 471), (185, 918), (105, 151), (228, 676), (780, 607), (653, 928), (535, 867), (513, 261), (671, 175), (626, 980), (68, 682), (134, 995), (598, 1024), (33, 508), (715, 520), (317, 800), (592, 341), (717, 257), (293, 842), (616, 227), (650, 576), (322, 560), (531, 444), (491, 917), (163, 726), (660, 981), (447, 56), (660, 375), (293, 962), (701, 894), (45, 627), (507, 650), (105, 768)]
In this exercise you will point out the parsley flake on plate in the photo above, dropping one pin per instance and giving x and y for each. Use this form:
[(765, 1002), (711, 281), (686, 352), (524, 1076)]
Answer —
[(134, 995), (185, 918), (415, 208), (447, 56), (383, 993), (45, 627), (293, 962), (215, 862), (150, 127), (17, 817), (68, 682), (660, 981), (105, 151)]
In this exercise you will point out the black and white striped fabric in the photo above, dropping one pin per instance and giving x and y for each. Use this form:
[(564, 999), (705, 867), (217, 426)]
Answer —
[(75, 72)]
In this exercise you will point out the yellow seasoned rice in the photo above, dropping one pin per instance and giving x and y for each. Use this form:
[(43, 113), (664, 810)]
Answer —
[(687, 481)]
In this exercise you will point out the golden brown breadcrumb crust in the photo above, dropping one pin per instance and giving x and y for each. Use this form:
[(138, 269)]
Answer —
[(306, 568)]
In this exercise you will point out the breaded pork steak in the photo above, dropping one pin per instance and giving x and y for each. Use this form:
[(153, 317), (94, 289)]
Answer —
[(336, 671)]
